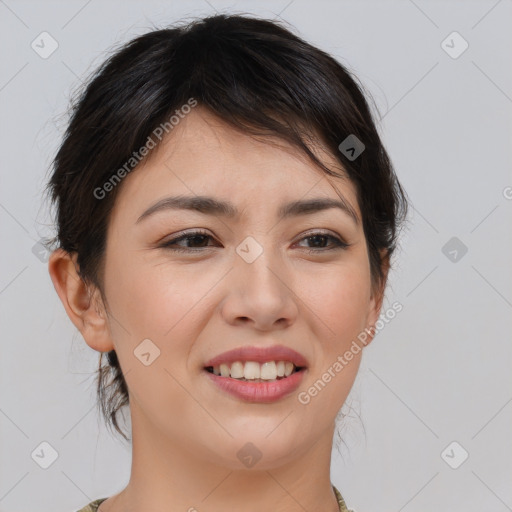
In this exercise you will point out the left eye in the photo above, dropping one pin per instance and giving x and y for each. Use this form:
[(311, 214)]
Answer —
[(200, 237), (317, 237)]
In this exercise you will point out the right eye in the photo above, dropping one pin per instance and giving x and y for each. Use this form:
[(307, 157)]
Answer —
[(197, 237)]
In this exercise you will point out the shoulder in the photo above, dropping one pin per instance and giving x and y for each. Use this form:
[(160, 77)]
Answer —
[(93, 506), (341, 501)]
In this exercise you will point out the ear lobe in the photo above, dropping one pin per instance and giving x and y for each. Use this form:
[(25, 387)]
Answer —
[(82, 303)]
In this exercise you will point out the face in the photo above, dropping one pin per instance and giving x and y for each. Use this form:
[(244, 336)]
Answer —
[(184, 286)]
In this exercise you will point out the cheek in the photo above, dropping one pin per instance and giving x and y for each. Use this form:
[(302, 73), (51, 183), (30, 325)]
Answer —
[(154, 301), (151, 302), (151, 298), (340, 298)]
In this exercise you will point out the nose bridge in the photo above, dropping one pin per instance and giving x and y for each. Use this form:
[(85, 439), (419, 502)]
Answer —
[(259, 266), (258, 289)]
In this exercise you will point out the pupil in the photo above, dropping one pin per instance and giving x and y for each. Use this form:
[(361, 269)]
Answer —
[(316, 239), (195, 237)]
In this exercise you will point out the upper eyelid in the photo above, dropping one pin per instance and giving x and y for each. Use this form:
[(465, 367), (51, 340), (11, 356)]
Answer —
[(200, 231)]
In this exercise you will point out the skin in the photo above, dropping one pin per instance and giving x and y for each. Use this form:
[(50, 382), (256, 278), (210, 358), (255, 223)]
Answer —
[(194, 306)]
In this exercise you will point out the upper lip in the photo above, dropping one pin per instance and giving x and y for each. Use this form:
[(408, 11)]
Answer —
[(259, 355)]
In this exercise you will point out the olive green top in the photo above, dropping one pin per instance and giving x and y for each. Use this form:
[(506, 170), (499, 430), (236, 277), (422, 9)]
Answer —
[(93, 506)]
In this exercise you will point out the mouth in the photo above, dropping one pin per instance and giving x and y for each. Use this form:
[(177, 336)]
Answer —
[(251, 381), (253, 371), (257, 374)]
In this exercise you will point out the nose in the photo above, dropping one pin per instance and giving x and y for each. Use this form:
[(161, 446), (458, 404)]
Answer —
[(260, 294)]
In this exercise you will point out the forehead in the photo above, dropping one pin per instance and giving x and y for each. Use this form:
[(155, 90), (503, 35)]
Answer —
[(202, 134), (203, 155)]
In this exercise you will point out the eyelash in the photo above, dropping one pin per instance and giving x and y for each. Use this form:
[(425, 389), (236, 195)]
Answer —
[(339, 244)]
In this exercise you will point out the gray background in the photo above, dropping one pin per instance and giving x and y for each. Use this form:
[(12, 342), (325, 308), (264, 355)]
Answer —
[(437, 373)]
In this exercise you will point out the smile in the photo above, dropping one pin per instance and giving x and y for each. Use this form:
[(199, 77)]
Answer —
[(255, 382), (254, 371), (257, 373)]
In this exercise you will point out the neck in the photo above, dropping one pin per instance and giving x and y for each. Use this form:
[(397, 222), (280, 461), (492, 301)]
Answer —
[(167, 477)]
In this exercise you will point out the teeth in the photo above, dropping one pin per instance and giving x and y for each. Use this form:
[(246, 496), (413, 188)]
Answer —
[(224, 370), (252, 370), (269, 371), (237, 370)]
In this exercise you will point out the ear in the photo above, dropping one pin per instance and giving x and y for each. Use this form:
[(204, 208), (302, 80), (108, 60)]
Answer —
[(82, 302), (377, 297)]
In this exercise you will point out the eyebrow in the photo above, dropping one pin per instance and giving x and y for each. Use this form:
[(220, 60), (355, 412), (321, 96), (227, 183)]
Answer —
[(211, 206)]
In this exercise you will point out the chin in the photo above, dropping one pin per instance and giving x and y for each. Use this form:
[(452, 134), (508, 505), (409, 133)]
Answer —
[(256, 450)]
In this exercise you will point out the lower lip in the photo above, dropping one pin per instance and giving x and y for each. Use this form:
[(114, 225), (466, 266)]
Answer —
[(263, 392)]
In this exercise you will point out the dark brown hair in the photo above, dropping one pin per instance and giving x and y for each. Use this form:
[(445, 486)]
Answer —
[(257, 76)]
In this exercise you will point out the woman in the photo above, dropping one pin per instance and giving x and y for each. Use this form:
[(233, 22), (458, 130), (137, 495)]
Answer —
[(226, 217)]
